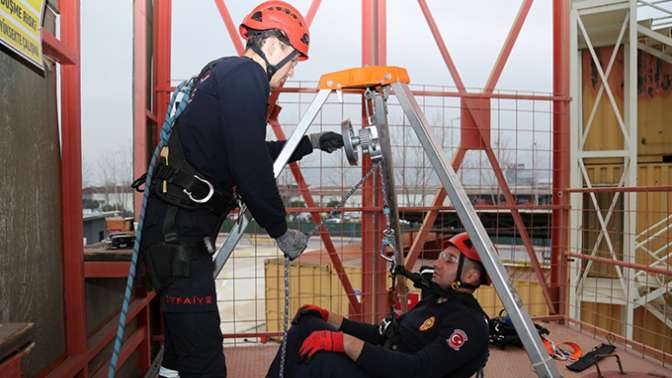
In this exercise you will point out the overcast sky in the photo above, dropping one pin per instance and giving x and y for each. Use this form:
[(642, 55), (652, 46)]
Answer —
[(473, 32)]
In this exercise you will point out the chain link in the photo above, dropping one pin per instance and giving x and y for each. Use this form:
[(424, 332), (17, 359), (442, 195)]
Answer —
[(389, 232), (285, 329), (335, 210)]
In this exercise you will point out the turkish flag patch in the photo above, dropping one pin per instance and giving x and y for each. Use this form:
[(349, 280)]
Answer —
[(457, 339)]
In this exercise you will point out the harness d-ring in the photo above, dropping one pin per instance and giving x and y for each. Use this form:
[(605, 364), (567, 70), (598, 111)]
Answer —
[(205, 199)]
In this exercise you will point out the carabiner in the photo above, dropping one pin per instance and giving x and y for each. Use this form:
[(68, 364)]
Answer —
[(205, 199)]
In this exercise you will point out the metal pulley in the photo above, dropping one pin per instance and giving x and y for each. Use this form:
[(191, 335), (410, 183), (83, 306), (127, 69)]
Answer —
[(367, 140)]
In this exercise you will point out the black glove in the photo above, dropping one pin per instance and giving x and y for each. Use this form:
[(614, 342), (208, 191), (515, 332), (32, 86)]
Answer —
[(327, 141)]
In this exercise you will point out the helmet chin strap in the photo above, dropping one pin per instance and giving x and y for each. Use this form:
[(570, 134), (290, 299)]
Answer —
[(458, 276), (271, 69)]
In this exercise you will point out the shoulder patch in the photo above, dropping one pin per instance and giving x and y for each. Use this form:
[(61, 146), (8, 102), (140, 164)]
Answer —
[(428, 323), (457, 339)]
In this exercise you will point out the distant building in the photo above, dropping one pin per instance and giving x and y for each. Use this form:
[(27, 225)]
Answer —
[(94, 226), (118, 197)]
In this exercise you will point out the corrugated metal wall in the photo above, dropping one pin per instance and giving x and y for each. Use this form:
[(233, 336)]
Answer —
[(31, 258)]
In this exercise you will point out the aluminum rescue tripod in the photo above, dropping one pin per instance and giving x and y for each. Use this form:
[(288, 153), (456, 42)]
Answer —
[(378, 82)]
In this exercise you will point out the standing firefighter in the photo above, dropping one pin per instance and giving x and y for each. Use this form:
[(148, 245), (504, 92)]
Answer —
[(217, 151)]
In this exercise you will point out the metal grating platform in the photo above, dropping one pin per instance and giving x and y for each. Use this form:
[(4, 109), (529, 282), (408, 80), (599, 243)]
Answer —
[(252, 361)]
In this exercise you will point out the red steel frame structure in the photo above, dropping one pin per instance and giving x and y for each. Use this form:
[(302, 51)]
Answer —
[(80, 349)]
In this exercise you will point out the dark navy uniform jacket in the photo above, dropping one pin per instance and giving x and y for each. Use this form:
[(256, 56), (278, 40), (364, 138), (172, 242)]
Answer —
[(437, 338), (223, 134)]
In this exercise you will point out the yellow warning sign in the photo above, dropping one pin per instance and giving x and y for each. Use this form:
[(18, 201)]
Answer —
[(21, 28)]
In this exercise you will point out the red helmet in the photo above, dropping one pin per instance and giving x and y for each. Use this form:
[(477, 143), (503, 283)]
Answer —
[(463, 244), (282, 16)]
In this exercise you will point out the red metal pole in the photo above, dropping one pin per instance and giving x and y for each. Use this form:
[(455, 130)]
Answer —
[(230, 26), (368, 188), (140, 147), (508, 46), (622, 189), (606, 260), (56, 50), (520, 225), (71, 187), (560, 216), (374, 270), (442, 46), (162, 37), (314, 6), (430, 218)]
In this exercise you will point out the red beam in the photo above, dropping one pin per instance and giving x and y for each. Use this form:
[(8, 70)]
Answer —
[(508, 46), (432, 207), (98, 341), (368, 243), (140, 112), (442, 46), (252, 334), (621, 189), (503, 96), (162, 38), (430, 218), (106, 269), (56, 50), (130, 346), (522, 230), (624, 264), (230, 26), (11, 366), (71, 189), (561, 165), (145, 348), (314, 6), (374, 285)]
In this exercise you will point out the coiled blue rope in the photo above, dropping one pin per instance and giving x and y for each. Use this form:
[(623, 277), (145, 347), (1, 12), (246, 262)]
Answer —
[(181, 96)]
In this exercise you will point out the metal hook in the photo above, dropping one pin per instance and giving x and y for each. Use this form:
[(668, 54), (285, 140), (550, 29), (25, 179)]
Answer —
[(205, 199)]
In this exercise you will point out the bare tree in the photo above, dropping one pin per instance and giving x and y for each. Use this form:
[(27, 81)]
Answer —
[(114, 172)]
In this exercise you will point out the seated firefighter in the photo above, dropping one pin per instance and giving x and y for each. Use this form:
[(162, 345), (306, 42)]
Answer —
[(444, 335)]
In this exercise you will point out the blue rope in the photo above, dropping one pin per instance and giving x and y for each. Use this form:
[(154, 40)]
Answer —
[(185, 89)]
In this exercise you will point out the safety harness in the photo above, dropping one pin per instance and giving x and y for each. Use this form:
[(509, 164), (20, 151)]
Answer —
[(177, 183)]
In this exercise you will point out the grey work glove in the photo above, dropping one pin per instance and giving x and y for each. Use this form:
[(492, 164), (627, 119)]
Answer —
[(327, 141), (292, 243)]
